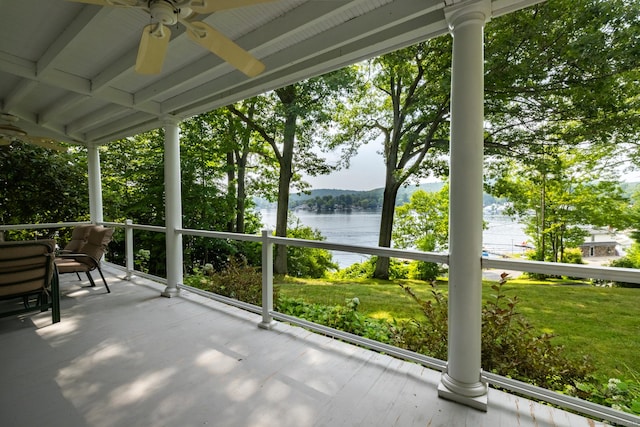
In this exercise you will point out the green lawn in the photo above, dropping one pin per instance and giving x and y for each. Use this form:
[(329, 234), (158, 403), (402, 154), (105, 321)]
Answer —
[(602, 323)]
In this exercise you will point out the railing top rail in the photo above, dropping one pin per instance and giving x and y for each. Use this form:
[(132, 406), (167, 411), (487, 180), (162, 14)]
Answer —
[(560, 269), (221, 235), (40, 226), (442, 258), (616, 274)]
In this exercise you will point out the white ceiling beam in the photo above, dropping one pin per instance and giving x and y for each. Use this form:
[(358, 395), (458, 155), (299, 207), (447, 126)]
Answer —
[(119, 128), (21, 90), (73, 30), (58, 108), (107, 113), (17, 66), (394, 38)]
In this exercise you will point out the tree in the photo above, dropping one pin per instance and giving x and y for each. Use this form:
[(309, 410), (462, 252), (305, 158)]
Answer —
[(562, 72), (248, 152), (558, 194), (38, 185), (407, 107), (291, 119), (423, 224)]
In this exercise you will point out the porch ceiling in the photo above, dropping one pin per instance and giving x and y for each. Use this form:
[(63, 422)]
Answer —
[(67, 69)]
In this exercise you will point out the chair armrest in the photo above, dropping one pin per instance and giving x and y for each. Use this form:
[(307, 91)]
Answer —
[(79, 257)]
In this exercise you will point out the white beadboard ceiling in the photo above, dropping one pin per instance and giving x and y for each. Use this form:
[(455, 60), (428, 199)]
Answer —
[(67, 68)]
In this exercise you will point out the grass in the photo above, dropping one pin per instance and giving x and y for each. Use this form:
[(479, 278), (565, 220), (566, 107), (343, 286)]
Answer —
[(601, 323)]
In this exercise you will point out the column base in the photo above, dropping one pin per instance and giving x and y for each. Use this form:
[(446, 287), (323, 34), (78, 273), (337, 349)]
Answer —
[(473, 395), (267, 325), (170, 292)]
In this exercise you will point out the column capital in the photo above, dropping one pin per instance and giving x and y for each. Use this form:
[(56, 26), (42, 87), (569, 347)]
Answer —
[(458, 13), (169, 120)]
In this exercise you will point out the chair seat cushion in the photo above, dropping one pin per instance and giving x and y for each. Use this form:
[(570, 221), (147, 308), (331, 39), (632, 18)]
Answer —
[(70, 265)]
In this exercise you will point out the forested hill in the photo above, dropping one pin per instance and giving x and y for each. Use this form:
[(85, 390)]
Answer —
[(331, 199)]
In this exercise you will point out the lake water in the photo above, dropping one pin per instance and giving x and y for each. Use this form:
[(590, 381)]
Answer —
[(502, 236)]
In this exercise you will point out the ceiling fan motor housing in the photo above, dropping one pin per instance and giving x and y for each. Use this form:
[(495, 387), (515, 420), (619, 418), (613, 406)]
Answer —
[(164, 11)]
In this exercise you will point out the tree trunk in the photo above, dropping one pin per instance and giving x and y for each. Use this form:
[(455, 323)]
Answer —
[(287, 96), (386, 227), (282, 214), (241, 161), (231, 184)]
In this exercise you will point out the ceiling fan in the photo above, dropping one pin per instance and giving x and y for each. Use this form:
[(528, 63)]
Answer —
[(10, 133), (163, 13)]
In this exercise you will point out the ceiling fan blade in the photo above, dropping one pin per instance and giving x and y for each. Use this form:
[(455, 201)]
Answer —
[(153, 49), (46, 143), (219, 44), (210, 6)]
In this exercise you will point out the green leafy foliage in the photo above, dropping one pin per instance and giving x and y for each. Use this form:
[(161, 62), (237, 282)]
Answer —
[(342, 317), (513, 348), (557, 193), (142, 260), (237, 280), (40, 186), (365, 270), (423, 224), (510, 345), (623, 395), (430, 336), (307, 262)]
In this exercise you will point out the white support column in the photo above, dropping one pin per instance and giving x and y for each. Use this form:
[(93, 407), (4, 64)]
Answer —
[(462, 380), (173, 206), (95, 184)]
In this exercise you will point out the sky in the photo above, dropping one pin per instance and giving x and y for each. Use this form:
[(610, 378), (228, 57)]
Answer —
[(367, 172)]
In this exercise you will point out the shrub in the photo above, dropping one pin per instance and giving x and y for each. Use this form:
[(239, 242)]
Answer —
[(625, 262), (358, 270), (429, 337), (512, 348), (572, 256), (237, 280), (342, 317), (142, 260), (307, 262), (427, 271), (364, 270), (616, 393), (510, 345)]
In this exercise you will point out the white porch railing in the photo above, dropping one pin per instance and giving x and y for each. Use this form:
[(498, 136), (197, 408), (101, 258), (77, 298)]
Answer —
[(268, 313)]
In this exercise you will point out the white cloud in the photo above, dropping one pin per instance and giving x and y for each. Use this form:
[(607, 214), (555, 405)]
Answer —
[(366, 172)]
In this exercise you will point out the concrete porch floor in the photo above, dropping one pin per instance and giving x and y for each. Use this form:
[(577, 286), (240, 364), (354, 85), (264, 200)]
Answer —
[(133, 358)]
